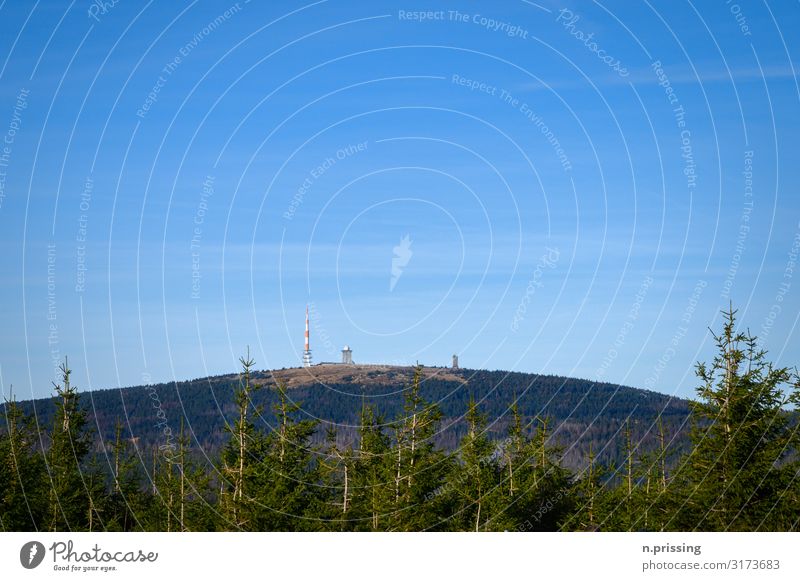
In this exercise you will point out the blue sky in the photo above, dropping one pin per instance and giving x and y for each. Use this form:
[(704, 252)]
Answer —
[(581, 186)]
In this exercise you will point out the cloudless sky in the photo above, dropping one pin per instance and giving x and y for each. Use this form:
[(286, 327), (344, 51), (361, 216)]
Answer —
[(581, 186)]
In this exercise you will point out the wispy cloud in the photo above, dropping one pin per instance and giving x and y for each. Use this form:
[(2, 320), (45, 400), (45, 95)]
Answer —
[(681, 75)]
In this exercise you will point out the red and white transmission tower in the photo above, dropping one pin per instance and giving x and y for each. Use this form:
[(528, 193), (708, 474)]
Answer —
[(307, 350)]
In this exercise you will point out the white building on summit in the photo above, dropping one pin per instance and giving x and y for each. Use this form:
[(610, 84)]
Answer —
[(347, 355)]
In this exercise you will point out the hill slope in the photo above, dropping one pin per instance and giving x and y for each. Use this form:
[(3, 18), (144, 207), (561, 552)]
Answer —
[(581, 412)]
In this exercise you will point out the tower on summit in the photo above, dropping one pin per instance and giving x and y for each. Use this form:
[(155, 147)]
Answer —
[(347, 355), (307, 350)]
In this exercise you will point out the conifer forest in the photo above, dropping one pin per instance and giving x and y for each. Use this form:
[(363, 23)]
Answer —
[(733, 467)]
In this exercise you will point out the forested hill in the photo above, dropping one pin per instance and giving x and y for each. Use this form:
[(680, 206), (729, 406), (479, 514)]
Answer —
[(580, 412)]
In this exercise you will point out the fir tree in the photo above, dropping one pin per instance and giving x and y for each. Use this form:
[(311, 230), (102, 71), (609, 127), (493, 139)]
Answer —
[(288, 475), (101, 511), (373, 476), (589, 497), (336, 473), (480, 501), (735, 477), (125, 499), (419, 467), (69, 504), (538, 487), (654, 500), (22, 473), (241, 455), (184, 490)]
